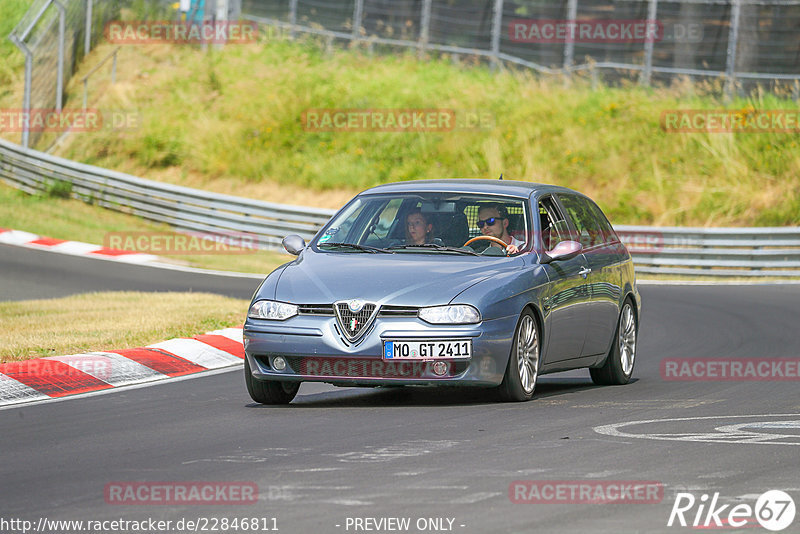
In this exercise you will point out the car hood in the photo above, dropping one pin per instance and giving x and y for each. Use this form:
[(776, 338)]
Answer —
[(402, 279)]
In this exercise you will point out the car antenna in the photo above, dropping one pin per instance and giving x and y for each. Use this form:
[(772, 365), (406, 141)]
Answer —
[(501, 176)]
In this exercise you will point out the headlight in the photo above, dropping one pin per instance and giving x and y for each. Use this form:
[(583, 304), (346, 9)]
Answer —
[(458, 314), (270, 309)]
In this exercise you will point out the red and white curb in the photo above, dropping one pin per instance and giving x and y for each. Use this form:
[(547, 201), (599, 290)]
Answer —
[(61, 376), (75, 248)]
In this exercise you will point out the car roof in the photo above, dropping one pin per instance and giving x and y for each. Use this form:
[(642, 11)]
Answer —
[(468, 185)]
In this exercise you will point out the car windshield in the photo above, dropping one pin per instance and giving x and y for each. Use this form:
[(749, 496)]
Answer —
[(428, 223)]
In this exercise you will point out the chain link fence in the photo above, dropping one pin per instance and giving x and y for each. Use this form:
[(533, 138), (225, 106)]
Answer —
[(733, 45), (55, 35)]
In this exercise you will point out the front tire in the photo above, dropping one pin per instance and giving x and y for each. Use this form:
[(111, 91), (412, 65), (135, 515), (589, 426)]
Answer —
[(618, 368), (522, 370), (268, 391)]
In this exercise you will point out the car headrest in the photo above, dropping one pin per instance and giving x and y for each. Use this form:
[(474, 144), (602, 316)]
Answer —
[(452, 229)]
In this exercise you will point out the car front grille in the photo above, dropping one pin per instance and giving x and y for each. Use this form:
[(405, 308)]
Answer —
[(385, 311), (354, 324), (398, 311), (315, 309)]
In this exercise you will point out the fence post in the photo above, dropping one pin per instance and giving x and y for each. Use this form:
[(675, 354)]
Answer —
[(62, 29), (292, 18), (496, 29), (425, 26), (329, 45), (26, 99), (87, 41), (569, 46), (358, 14), (649, 43), (220, 15), (733, 38)]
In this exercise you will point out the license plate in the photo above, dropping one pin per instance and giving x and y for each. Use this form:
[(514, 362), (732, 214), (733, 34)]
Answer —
[(427, 350)]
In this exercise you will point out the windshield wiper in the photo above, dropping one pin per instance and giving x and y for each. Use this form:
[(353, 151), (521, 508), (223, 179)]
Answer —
[(354, 246), (434, 246)]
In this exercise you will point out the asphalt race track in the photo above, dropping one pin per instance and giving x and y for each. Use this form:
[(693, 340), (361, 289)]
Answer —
[(336, 455), (39, 274)]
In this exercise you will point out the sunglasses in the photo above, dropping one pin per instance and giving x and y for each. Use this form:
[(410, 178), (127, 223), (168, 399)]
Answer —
[(490, 221)]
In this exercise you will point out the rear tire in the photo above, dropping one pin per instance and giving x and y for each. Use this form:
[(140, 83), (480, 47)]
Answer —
[(522, 370), (268, 391), (619, 364)]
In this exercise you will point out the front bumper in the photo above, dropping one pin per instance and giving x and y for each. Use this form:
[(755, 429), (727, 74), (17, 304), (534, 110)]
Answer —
[(315, 351)]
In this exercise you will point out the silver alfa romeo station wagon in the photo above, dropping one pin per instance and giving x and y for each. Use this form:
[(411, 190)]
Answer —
[(479, 283)]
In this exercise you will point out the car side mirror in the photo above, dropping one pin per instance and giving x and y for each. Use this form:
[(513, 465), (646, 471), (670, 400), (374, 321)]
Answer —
[(566, 250), (294, 244)]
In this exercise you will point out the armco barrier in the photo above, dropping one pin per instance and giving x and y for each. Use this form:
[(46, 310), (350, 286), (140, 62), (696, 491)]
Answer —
[(180, 207), (699, 252)]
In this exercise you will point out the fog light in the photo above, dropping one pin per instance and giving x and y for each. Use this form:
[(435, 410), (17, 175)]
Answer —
[(439, 368), (278, 363)]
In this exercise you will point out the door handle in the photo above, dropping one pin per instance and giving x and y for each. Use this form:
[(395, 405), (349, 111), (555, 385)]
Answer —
[(584, 272)]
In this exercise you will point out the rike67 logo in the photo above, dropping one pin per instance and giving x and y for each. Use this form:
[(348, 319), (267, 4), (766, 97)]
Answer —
[(774, 510)]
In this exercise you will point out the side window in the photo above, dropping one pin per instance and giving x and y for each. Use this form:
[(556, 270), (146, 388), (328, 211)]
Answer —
[(587, 225), (553, 225), (609, 235), (382, 222), (387, 217)]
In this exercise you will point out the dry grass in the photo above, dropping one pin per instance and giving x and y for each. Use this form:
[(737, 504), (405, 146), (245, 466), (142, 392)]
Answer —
[(229, 121), (110, 320)]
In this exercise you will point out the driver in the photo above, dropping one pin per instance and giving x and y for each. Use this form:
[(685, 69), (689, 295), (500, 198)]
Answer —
[(493, 221)]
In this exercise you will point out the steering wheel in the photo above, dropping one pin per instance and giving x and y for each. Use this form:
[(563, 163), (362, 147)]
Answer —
[(489, 238)]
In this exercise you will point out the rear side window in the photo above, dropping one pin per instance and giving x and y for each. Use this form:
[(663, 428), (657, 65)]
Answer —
[(579, 209), (609, 235)]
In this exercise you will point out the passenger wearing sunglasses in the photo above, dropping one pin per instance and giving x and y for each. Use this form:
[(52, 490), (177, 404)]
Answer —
[(493, 221)]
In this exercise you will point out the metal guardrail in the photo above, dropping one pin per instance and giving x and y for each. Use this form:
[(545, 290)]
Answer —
[(747, 252), (183, 208), (718, 252)]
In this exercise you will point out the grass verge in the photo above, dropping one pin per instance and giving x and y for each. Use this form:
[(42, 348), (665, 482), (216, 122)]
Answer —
[(51, 215), (110, 320), (232, 119)]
